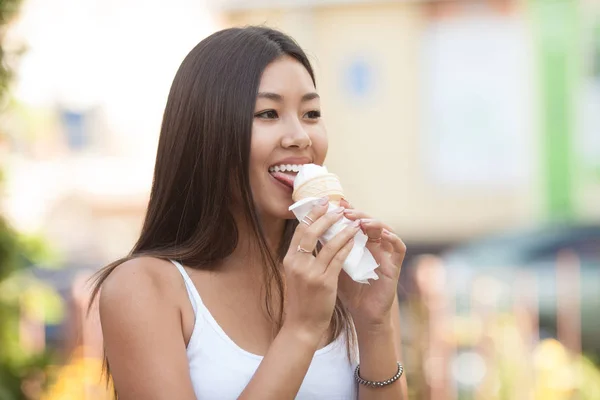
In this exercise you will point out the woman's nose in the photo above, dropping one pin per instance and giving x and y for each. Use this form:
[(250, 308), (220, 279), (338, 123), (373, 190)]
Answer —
[(296, 136)]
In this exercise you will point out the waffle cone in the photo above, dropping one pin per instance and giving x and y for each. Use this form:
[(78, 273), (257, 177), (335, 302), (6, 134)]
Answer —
[(321, 186)]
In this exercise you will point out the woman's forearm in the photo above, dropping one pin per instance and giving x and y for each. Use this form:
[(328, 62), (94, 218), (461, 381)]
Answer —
[(283, 368), (378, 361)]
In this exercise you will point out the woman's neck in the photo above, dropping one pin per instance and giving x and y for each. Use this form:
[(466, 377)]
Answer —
[(247, 255)]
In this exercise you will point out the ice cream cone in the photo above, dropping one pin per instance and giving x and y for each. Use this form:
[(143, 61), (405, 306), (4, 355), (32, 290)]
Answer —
[(320, 186)]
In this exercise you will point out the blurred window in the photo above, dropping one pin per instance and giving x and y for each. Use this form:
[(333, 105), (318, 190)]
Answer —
[(75, 129)]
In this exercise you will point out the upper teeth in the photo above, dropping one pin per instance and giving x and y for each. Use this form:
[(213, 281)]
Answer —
[(285, 167)]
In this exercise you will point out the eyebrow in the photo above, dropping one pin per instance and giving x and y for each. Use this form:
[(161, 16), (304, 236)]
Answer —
[(279, 98)]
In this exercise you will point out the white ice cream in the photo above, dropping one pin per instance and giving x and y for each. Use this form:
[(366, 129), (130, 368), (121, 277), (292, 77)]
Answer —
[(308, 172)]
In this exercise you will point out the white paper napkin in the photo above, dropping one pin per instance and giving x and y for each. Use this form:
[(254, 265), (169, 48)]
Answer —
[(360, 264)]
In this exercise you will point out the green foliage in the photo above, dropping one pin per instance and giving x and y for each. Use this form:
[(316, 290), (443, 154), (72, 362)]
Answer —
[(20, 295), (21, 372), (8, 10), (9, 258)]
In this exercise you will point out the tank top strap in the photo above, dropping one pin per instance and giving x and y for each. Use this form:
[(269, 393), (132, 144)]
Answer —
[(193, 294)]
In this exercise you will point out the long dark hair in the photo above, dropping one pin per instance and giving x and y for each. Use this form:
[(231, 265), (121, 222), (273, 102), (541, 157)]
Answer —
[(202, 161)]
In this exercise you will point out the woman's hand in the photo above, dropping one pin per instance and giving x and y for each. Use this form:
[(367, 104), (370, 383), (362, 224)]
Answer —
[(370, 305), (312, 282)]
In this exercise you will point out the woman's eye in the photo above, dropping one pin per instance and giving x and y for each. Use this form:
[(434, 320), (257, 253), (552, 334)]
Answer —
[(268, 114), (315, 114)]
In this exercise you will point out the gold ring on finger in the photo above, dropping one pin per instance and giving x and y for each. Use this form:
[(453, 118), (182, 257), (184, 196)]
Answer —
[(374, 240), (301, 249)]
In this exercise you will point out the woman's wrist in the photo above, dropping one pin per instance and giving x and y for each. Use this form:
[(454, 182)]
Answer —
[(306, 338), (374, 330), (373, 325), (377, 352)]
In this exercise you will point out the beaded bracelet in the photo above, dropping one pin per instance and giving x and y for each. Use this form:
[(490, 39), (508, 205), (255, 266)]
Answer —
[(380, 383)]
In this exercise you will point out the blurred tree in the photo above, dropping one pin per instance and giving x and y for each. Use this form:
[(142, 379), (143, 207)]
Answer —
[(19, 369), (8, 10), (8, 240), (21, 372)]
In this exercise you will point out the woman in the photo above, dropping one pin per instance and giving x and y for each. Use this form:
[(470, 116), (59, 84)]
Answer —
[(222, 296)]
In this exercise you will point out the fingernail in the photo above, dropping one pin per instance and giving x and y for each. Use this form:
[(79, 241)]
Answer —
[(366, 221), (324, 200), (337, 210), (348, 211), (386, 232), (356, 223)]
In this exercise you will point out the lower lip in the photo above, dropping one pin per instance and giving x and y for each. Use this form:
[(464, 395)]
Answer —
[(283, 185)]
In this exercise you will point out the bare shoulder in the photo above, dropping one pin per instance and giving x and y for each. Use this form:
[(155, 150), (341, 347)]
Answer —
[(140, 313), (137, 281)]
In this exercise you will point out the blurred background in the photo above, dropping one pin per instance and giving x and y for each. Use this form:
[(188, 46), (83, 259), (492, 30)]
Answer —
[(472, 127)]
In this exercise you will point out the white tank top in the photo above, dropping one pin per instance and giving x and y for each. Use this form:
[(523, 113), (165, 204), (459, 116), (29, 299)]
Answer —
[(220, 369)]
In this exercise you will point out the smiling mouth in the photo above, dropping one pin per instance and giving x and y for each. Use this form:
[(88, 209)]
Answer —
[(285, 173)]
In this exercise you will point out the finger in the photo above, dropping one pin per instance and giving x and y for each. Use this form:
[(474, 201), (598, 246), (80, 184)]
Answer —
[(314, 214), (373, 229), (386, 246), (354, 214), (344, 203), (399, 248), (378, 250), (310, 235), (335, 266), (329, 251)]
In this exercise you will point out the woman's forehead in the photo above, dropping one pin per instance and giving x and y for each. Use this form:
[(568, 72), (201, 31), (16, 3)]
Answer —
[(286, 75)]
